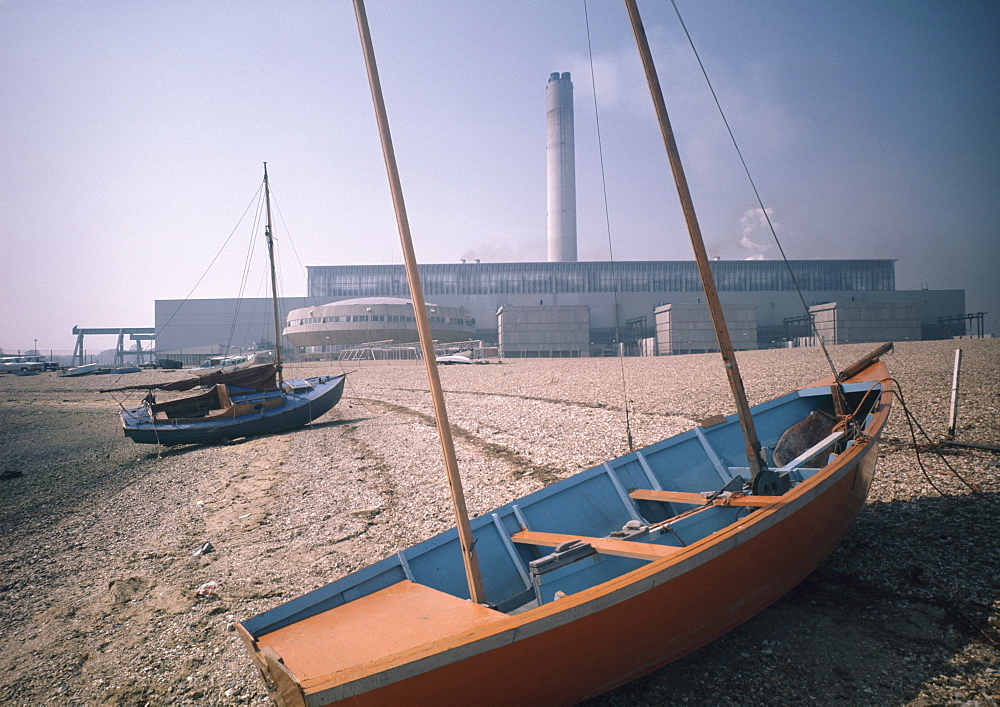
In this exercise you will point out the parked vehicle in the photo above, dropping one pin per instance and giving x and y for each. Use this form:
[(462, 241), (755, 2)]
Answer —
[(49, 365), (12, 364)]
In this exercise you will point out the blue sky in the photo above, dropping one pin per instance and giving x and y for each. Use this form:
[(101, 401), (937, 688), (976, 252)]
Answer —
[(133, 136)]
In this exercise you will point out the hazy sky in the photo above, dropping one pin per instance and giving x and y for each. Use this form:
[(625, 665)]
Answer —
[(132, 136)]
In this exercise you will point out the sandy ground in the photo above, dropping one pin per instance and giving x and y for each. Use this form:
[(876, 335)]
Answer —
[(99, 581)]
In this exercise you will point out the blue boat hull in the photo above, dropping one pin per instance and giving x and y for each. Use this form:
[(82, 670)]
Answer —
[(308, 399)]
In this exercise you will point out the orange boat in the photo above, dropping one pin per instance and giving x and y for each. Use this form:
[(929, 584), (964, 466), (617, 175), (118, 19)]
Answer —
[(601, 577), (591, 582)]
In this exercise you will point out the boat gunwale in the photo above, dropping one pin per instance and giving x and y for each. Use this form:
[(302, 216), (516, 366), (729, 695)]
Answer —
[(416, 660)]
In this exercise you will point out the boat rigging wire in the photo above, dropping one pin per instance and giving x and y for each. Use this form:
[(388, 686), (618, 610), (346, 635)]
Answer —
[(607, 222), (253, 200), (313, 300), (760, 202), (255, 229)]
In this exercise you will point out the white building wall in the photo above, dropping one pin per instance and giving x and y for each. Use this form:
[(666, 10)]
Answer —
[(544, 331), (867, 322), (685, 327)]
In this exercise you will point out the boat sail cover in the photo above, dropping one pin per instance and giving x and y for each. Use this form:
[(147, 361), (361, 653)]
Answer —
[(262, 377)]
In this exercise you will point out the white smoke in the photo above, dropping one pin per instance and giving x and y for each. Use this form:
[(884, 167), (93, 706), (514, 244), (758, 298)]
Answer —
[(755, 227)]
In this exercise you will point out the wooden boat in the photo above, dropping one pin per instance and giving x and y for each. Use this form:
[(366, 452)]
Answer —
[(241, 401), (453, 359), (603, 576), (229, 410), (83, 370), (590, 582)]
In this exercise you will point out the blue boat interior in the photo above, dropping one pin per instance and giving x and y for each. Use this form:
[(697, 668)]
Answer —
[(607, 520)]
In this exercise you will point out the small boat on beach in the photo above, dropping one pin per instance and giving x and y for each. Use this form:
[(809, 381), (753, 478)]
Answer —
[(83, 370), (241, 400), (594, 580), (453, 359), (601, 577), (243, 403)]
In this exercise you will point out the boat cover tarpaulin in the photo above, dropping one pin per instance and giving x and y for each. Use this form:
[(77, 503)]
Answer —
[(255, 378)]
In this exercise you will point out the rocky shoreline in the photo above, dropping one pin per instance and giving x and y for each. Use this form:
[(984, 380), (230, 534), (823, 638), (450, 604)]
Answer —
[(100, 579)]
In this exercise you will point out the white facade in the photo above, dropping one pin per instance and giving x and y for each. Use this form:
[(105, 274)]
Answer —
[(552, 331), (866, 322), (368, 319), (204, 327), (686, 327)]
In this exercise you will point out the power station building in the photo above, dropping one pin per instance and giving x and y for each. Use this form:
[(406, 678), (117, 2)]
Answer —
[(366, 319), (621, 297), (563, 307), (620, 300)]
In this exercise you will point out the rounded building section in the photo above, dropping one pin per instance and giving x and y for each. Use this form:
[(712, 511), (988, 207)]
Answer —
[(358, 321)]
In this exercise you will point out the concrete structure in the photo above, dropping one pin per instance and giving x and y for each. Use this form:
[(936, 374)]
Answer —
[(866, 322), (189, 329), (620, 297), (561, 172), (637, 287), (137, 334), (553, 331), (332, 326), (683, 328)]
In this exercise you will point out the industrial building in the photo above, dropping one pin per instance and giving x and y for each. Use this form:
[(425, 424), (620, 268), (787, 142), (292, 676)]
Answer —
[(367, 319), (861, 322), (621, 297), (683, 328), (640, 307), (556, 331), (189, 330)]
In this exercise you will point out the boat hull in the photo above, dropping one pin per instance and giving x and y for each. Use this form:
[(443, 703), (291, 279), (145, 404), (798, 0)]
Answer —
[(309, 399), (591, 640), (671, 613), (79, 370)]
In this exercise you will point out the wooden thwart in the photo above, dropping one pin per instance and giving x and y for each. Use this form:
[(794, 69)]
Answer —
[(605, 546)]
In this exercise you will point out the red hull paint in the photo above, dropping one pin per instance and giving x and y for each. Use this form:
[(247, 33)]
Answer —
[(599, 638)]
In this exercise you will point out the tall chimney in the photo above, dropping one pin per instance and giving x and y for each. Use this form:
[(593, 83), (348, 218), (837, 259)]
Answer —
[(561, 168)]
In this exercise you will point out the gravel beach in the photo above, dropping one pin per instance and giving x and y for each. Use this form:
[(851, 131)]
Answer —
[(99, 581)]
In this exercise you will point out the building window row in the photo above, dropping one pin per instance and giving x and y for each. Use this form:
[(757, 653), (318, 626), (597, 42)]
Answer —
[(595, 277)]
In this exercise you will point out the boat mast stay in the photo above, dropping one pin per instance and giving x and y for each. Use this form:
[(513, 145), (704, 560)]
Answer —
[(274, 283), (764, 480), (472, 570)]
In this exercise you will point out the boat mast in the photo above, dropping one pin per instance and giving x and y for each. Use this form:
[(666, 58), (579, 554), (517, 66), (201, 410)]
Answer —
[(274, 283), (472, 571), (759, 474)]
